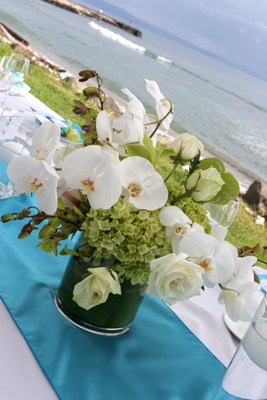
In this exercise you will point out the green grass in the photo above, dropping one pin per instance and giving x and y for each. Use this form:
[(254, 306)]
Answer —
[(59, 96), (55, 93)]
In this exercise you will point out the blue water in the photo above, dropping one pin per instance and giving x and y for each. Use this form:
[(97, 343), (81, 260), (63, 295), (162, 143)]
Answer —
[(224, 107)]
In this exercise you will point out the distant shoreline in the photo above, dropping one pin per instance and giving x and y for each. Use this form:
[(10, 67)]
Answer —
[(244, 180), (81, 10)]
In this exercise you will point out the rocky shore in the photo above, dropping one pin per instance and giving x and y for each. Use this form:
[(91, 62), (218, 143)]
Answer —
[(78, 9)]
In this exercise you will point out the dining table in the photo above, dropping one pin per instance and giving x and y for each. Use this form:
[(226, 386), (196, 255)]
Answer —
[(177, 352)]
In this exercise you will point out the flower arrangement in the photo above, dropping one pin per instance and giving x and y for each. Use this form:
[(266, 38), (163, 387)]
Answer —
[(113, 186)]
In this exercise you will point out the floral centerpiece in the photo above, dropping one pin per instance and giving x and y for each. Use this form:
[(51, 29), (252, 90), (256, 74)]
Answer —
[(140, 214)]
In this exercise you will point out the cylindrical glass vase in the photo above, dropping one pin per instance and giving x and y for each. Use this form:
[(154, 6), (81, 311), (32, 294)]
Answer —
[(114, 317)]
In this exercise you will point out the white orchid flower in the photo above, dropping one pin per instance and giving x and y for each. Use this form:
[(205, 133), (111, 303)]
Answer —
[(93, 172), (128, 129), (63, 151), (241, 300), (215, 258), (45, 141), (123, 131), (104, 126), (143, 186), (220, 233), (243, 270), (162, 105), (30, 175), (135, 107), (177, 225)]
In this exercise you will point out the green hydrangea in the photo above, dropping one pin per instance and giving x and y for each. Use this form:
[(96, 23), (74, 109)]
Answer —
[(132, 238)]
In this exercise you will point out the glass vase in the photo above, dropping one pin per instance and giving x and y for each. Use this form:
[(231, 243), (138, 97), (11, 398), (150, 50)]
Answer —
[(112, 318)]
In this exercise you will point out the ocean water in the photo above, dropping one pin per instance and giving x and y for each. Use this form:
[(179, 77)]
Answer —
[(224, 107)]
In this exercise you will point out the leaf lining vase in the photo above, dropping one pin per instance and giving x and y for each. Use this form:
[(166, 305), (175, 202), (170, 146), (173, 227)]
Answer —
[(112, 318)]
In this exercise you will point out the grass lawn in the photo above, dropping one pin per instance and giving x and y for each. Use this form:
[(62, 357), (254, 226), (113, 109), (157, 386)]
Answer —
[(59, 96)]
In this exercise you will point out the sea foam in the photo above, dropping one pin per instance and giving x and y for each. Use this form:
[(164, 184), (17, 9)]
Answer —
[(164, 60), (117, 38)]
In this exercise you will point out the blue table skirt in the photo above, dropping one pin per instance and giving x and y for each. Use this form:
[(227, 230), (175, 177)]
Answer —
[(158, 359)]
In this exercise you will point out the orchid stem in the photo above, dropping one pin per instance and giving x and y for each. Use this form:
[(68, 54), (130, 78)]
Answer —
[(172, 171), (162, 119)]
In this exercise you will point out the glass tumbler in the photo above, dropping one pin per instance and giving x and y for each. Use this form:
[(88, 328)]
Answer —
[(246, 375)]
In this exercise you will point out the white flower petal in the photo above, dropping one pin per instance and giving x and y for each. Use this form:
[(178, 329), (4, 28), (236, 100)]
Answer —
[(219, 233), (225, 264), (146, 189), (104, 126), (197, 244), (171, 215), (108, 190), (30, 175), (153, 89), (78, 167), (45, 141)]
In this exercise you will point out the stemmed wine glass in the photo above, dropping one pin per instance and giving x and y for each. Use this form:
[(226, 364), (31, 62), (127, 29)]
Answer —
[(222, 215), (7, 67), (20, 71)]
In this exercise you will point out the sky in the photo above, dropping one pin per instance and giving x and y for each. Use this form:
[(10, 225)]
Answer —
[(235, 30)]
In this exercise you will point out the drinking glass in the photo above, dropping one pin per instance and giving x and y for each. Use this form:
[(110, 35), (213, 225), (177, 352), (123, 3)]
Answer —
[(230, 213), (19, 73), (222, 215), (7, 67), (215, 213), (246, 375), (16, 134)]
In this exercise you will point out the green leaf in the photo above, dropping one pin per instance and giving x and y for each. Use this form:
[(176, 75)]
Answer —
[(45, 245), (46, 232), (165, 153), (66, 251), (252, 243), (76, 209), (230, 190), (148, 143), (212, 162), (54, 247), (60, 204), (74, 136), (140, 151), (87, 120), (80, 105), (55, 223)]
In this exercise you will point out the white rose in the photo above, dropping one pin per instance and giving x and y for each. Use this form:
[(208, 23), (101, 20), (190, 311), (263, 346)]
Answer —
[(188, 146), (173, 278), (95, 288), (208, 184)]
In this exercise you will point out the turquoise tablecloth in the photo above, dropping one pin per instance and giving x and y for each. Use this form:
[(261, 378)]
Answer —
[(158, 359)]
